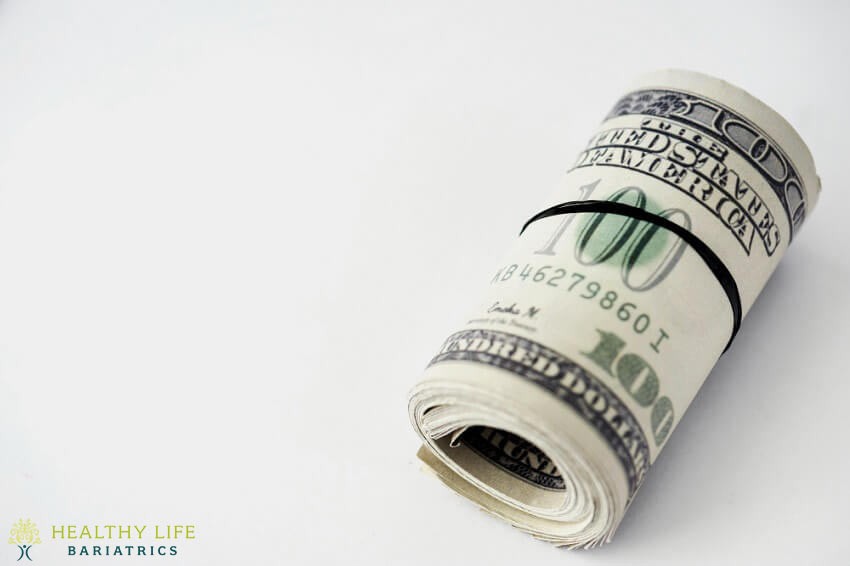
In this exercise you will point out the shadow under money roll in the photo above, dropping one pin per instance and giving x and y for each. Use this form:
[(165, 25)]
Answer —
[(548, 406)]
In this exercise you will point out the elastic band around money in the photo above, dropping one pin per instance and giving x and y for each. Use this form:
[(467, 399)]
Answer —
[(720, 271)]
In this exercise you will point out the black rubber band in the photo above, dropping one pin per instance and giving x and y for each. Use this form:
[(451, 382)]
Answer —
[(720, 271)]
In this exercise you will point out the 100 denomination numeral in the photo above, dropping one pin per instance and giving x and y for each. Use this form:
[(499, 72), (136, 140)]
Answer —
[(638, 379), (633, 234)]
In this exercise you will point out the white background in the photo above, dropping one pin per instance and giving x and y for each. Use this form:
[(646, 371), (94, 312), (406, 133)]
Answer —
[(233, 233)]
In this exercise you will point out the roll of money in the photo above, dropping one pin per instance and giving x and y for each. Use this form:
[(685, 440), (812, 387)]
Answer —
[(550, 402)]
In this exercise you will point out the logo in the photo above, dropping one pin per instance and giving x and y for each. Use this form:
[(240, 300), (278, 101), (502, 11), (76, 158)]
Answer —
[(24, 534), (102, 539)]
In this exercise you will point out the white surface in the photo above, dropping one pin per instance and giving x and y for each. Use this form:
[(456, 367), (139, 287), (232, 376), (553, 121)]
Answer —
[(232, 234)]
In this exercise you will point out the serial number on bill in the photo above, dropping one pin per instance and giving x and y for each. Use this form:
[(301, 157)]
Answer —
[(579, 285)]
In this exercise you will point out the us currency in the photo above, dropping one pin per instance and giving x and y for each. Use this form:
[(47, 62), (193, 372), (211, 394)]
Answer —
[(552, 399)]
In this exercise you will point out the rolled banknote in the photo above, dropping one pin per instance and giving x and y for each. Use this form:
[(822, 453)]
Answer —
[(550, 402)]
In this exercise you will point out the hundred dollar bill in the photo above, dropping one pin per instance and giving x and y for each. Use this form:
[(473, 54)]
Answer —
[(549, 404)]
